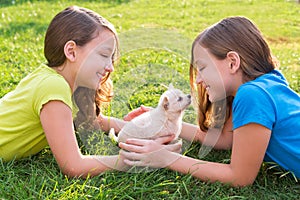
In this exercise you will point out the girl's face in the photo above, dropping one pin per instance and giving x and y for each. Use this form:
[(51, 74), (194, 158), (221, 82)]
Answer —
[(96, 60), (211, 73)]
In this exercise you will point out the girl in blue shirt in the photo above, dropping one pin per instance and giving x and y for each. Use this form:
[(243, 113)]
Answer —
[(239, 92)]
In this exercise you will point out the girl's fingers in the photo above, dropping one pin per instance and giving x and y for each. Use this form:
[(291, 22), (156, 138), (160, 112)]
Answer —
[(142, 142), (131, 147), (136, 112), (165, 139), (145, 109), (134, 163), (144, 145), (131, 155), (128, 117), (174, 147), (138, 142)]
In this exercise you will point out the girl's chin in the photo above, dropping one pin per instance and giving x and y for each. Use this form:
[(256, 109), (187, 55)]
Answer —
[(94, 86), (213, 98)]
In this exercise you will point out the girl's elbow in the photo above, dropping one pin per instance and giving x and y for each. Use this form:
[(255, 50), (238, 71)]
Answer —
[(72, 168), (73, 172), (243, 181), (82, 167)]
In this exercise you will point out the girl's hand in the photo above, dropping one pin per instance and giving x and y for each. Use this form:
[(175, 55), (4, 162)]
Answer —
[(151, 153), (136, 112), (113, 162)]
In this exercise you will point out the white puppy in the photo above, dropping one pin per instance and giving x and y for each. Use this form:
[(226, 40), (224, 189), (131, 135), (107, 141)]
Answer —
[(163, 120)]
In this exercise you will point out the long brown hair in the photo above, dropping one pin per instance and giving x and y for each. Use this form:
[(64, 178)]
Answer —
[(80, 25), (237, 34)]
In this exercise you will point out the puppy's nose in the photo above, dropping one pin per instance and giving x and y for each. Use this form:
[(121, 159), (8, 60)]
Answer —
[(189, 96)]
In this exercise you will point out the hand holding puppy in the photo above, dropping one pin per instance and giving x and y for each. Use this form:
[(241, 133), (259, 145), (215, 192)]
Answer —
[(158, 153), (166, 118), (136, 112)]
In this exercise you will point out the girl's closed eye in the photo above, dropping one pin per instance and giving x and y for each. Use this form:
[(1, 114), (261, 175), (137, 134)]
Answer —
[(105, 55), (200, 68)]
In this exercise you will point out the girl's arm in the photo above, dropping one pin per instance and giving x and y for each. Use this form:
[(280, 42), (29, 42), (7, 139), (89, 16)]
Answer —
[(107, 122), (219, 139), (249, 146), (57, 122), (191, 132)]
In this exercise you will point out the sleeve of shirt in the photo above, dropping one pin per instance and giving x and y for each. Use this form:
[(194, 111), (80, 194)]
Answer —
[(252, 104), (52, 88)]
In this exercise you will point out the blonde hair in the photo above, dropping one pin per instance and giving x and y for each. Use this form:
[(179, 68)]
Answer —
[(237, 34)]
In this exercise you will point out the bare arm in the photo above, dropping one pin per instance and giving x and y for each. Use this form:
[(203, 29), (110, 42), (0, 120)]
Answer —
[(107, 122), (220, 139), (57, 122), (249, 146)]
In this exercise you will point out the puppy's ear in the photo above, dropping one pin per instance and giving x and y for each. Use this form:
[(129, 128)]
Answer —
[(171, 87), (166, 103)]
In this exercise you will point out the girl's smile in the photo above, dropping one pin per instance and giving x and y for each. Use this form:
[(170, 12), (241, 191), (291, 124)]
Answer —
[(97, 62), (208, 73), (220, 77)]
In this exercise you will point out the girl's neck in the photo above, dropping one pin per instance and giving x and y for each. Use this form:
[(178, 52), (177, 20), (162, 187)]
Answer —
[(68, 75)]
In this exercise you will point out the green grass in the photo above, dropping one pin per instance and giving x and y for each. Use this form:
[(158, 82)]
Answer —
[(156, 37)]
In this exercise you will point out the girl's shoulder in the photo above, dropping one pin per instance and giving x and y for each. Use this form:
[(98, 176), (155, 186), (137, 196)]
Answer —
[(271, 83), (269, 93), (44, 84), (44, 77), (269, 80)]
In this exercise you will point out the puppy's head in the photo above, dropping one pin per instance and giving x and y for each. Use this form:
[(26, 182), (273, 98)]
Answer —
[(174, 100)]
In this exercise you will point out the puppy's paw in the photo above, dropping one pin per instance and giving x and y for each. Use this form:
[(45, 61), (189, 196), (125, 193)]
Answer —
[(113, 136)]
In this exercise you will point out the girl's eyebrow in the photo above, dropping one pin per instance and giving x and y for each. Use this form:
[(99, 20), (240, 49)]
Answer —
[(199, 62), (105, 48)]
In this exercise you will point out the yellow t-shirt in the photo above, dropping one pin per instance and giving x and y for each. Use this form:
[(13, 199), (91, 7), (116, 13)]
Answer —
[(21, 132)]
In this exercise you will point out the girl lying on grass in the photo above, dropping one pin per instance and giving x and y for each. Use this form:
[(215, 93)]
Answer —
[(259, 122), (80, 47)]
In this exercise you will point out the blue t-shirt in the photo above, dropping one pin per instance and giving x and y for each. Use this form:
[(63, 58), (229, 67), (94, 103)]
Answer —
[(269, 101)]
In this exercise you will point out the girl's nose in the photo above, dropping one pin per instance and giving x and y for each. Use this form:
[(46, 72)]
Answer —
[(109, 68), (199, 79)]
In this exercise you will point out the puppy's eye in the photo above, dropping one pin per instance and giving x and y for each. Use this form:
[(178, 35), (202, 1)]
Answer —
[(179, 99)]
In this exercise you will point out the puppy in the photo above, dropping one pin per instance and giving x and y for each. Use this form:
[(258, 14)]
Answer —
[(163, 120)]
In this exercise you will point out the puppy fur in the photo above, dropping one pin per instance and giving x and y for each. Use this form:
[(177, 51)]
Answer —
[(163, 120)]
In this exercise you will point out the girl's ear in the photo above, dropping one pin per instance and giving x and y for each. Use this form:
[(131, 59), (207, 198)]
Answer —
[(69, 50), (234, 61)]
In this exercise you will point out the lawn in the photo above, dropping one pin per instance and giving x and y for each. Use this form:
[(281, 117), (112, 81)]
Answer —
[(155, 38)]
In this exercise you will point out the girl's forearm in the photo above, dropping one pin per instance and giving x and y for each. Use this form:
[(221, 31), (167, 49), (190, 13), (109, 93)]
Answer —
[(208, 171), (219, 139), (107, 122), (92, 165), (191, 132)]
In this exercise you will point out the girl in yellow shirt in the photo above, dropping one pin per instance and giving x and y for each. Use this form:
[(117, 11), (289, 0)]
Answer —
[(80, 47)]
